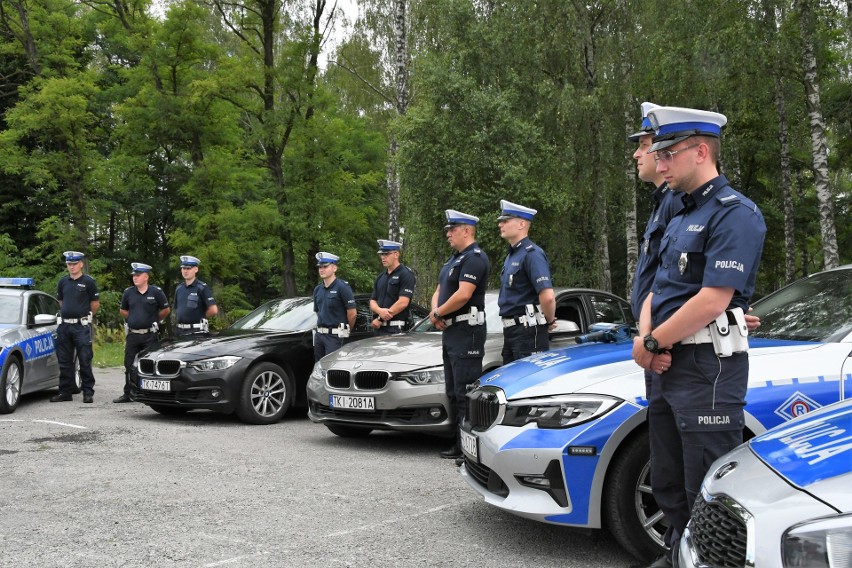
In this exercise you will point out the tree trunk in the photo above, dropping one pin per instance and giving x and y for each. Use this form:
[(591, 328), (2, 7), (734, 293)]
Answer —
[(800, 195), (631, 234), (818, 142), (400, 33)]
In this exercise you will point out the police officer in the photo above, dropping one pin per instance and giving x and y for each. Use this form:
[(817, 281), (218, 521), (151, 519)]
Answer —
[(78, 303), (527, 302), (142, 306), (194, 302), (458, 305), (708, 262), (334, 304), (392, 291)]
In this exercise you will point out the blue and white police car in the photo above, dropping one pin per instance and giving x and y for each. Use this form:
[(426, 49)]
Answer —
[(783, 499), (561, 437), (27, 341)]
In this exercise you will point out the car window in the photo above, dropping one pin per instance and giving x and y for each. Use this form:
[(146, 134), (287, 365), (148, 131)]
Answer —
[(288, 314), (32, 308), (571, 309), (818, 308), (47, 305), (363, 318), (610, 310), (492, 317), (10, 309)]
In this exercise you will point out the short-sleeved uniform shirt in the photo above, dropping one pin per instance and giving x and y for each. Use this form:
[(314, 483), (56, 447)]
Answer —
[(470, 265), (331, 303), (144, 308), (76, 296), (667, 204), (389, 288), (191, 302), (715, 241), (526, 272)]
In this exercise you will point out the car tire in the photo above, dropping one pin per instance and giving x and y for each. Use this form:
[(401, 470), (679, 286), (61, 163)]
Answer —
[(168, 410), (78, 380), (629, 507), (10, 386), (265, 395), (348, 431)]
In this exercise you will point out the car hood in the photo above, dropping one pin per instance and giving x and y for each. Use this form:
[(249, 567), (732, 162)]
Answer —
[(813, 453), (227, 342), (409, 350), (608, 368)]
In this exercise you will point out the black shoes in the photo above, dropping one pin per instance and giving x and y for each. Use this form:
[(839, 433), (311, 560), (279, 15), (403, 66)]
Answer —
[(61, 398), (452, 453), (87, 398), (459, 461), (123, 398)]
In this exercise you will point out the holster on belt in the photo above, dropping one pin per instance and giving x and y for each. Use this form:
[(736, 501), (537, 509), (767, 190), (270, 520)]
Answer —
[(729, 333)]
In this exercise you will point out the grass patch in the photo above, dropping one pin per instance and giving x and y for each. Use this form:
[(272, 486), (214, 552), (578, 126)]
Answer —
[(108, 354)]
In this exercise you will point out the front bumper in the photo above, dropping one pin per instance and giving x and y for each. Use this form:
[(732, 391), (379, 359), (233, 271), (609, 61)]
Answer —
[(191, 389), (399, 405)]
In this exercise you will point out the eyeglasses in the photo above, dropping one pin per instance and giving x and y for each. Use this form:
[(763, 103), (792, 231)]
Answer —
[(668, 155)]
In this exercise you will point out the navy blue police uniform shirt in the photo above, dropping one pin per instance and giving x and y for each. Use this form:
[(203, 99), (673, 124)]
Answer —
[(470, 265), (331, 303), (715, 241), (526, 272), (389, 288), (76, 296), (191, 302), (667, 203), (144, 308)]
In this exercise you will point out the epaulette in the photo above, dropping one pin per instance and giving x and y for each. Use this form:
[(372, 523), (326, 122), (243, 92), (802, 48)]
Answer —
[(728, 200), (477, 251)]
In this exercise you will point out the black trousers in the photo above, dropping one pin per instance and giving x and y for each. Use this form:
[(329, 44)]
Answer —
[(463, 351), (520, 341), (325, 343), (695, 415), (71, 337), (137, 343)]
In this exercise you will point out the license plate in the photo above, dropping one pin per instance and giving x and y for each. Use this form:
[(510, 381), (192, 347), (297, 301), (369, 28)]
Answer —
[(470, 445), (151, 385), (352, 402)]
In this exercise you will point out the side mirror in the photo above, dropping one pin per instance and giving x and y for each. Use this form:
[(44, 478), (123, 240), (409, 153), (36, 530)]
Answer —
[(563, 327), (44, 319)]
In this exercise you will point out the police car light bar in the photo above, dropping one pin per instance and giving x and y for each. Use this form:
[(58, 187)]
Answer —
[(17, 282)]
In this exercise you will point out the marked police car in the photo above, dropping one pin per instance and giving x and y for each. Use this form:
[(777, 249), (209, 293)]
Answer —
[(783, 499), (561, 437), (27, 341)]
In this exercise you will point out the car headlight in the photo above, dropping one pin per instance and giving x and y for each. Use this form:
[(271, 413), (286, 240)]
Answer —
[(215, 364), (318, 376), (819, 543), (427, 377), (557, 411)]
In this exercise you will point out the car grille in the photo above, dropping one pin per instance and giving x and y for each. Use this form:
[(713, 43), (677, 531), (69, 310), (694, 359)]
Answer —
[(718, 535), (338, 379), (483, 407), (371, 380), (397, 415), (162, 367), (485, 477)]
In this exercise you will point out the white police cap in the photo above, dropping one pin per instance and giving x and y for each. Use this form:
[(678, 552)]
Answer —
[(673, 124), (73, 256), (140, 267), (646, 123), (187, 260), (509, 210), (458, 218), (326, 258), (388, 246)]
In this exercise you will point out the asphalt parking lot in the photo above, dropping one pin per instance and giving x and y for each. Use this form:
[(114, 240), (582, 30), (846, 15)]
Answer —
[(107, 485)]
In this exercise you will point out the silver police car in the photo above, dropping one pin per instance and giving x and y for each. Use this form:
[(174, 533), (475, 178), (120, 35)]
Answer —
[(27, 342)]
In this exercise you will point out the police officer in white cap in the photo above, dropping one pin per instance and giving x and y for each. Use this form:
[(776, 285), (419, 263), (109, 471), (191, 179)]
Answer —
[(334, 304), (142, 306), (527, 302), (706, 272), (458, 305), (79, 301), (194, 301), (392, 291)]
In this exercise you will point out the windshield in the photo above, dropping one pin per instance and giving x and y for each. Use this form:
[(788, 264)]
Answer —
[(10, 309), (286, 314), (818, 308), (492, 317)]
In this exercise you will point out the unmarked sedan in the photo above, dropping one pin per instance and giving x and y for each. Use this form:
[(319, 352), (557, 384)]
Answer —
[(256, 368), (397, 382), (784, 499)]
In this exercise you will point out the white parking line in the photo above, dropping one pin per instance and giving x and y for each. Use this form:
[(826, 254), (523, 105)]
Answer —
[(235, 559), (397, 519)]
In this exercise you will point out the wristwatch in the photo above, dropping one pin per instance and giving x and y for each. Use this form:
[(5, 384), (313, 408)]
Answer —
[(651, 344), (436, 314)]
